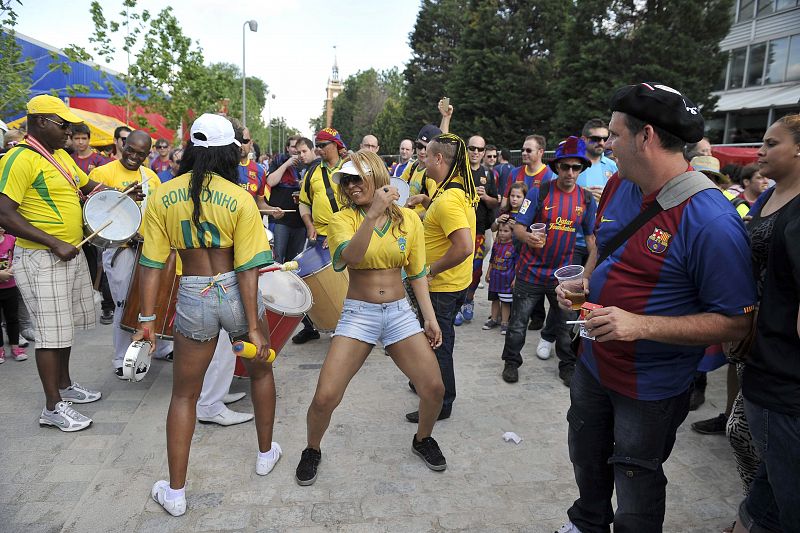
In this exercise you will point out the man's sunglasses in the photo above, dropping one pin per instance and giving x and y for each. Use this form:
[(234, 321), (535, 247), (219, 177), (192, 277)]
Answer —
[(529, 150), (596, 138), (491, 156), (564, 167), (162, 146), (476, 148), (63, 125), (421, 145), (322, 145)]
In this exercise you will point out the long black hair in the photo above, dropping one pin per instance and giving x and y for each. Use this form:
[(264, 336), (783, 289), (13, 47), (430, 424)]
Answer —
[(203, 163)]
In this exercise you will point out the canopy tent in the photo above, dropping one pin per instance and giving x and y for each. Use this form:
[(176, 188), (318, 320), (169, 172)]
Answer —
[(48, 80), (739, 155), (101, 126)]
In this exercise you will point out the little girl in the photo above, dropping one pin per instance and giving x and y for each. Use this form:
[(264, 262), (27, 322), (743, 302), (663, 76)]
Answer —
[(8, 298), (516, 196), (500, 277)]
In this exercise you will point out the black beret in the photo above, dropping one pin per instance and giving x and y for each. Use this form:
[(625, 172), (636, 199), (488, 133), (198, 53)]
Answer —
[(662, 106)]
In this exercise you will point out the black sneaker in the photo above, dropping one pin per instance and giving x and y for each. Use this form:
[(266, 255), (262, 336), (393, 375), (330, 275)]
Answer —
[(414, 416), (697, 399), (305, 335), (306, 473), (712, 426), (536, 324), (510, 373), (107, 316), (429, 451)]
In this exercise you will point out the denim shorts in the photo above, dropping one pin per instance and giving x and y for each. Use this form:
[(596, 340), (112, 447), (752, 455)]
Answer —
[(372, 323), (208, 303)]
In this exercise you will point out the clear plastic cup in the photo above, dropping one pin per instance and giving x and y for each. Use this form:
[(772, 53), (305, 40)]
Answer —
[(570, 278), (540, 230)]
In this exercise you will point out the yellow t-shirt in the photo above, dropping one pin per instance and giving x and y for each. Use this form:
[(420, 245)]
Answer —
[(388, 247), (313, 194), (449, 211), (46, 199), (415, 180), (115, 175), (742, 209), (228, 218)]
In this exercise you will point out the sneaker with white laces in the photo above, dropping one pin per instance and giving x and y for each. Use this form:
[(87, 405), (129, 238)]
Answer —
[(65, 418), (265, 465), (175, 507), (544, 349), (569, 527), (75, 393)]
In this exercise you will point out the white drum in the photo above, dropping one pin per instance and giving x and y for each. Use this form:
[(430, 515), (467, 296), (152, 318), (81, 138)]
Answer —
[(403, 189), (137, 361), (111, 205)]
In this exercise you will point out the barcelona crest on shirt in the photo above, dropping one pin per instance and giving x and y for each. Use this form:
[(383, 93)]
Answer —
[(658, 241)]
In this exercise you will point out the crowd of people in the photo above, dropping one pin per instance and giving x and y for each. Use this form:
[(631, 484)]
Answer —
[(653, 232)]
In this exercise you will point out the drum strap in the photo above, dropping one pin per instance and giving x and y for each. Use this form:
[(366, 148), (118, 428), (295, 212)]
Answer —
[(37, 147), (329, 190)]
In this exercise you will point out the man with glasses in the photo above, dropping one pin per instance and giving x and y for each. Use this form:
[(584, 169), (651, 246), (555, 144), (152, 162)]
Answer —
[(486, 189), (120, 135), (532, 171), (370, 142), (563, 207), (119, 263), (594, 178), (319, 200), (161, 163), (40, 204), (406, 150)]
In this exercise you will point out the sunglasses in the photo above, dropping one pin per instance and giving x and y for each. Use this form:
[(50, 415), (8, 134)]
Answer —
[(564, 167), (491, 156), (63, 125), (345, 179), (529, 150), (123, 138), (421, 145), (476, 148), (162, 146), (597, 139), (322, 145)]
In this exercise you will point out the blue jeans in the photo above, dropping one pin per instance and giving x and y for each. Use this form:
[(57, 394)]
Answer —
[(288, 242), (527, 297), (774, 501), (446, 305), (618, 442)]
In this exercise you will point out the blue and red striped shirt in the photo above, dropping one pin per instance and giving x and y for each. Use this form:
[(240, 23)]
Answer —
[(502, 267), (87, 164), (252, 178), (563, 212), (691, 259), (533, 182)]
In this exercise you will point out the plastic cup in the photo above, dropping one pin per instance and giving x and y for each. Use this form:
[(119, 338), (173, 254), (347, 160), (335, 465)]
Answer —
[(540, 230), (570, 278)]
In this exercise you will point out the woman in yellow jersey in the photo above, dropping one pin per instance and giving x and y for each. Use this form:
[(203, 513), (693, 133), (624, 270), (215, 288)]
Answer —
[(375, 240), (216, 228)]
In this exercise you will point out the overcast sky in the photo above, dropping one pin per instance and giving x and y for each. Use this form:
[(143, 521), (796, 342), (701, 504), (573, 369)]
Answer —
[(292, 51)]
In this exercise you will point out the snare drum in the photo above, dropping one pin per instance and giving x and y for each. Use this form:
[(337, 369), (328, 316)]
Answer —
[(328, 287), (288, 299), (166, 299), (112, 205)]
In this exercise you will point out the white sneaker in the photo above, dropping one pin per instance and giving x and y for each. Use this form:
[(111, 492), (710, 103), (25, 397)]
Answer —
[(75, 393), (569, 527), (226, 418), (232, 397), (65, 418), (159, 493), (265, 466), (544, 349)]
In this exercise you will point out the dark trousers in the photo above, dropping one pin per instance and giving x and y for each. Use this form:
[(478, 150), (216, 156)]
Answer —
[(9, 307), (288, 242), (528, 296), (446, 305), (618, 442), (93, 260)]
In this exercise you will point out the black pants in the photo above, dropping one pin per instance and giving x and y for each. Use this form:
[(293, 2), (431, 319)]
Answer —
[(8, 308), (93, 260)]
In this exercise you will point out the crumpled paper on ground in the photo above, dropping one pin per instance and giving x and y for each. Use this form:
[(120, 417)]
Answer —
[(508, 436)]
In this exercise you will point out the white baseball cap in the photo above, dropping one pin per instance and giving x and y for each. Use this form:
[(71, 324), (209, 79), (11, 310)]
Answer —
[(214, 130)]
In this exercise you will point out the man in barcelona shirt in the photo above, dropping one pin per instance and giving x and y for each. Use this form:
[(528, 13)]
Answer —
[(564, 208), (663, 301)]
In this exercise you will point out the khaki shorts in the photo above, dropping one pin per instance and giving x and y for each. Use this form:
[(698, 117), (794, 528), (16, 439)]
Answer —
[(59, 296)]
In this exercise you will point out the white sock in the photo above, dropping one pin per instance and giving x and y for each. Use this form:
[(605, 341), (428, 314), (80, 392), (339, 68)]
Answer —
[(174, 494), (269, 456)]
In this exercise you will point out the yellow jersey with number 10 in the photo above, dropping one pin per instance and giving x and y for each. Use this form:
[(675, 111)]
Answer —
[(229, 218)]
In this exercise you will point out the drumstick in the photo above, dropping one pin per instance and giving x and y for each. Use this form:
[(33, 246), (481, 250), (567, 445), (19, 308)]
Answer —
[(125, 192), (289, 265), (84, 241), (277, 209)]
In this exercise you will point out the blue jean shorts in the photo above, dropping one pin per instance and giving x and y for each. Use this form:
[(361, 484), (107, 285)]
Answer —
[(372, 323), (208, 303)]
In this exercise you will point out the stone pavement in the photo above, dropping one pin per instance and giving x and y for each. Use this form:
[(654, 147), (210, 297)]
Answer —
[(99, 480)]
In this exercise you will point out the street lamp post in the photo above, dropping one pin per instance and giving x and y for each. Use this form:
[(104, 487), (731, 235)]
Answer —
[(253, 27), (269, 121)]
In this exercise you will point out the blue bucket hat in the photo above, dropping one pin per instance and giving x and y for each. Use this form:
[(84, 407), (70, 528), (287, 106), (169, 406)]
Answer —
[(571, 147)]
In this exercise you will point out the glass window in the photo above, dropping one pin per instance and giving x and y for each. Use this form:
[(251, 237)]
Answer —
[(736, 78), (748, 126), (765, 7), (785, 4), (755, 66), (746, 9), (793, 70), (723, 74), (715, 128), (776, 64)]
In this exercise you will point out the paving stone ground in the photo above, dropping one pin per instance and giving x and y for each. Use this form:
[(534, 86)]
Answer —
[(98, 480)]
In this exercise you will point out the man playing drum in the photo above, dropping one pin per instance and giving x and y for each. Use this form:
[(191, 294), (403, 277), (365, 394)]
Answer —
[(40, 193), (119, 263), (216, 228)]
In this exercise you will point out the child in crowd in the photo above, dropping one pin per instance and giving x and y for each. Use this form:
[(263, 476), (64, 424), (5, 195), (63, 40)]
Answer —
[(500, 276), (516, 196), (8, 298)]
